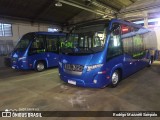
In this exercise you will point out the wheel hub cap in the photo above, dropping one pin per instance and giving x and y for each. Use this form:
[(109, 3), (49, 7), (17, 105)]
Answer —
[(40, 66), (115, 78)]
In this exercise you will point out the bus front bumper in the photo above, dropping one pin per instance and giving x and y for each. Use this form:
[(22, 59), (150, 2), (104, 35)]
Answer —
[(20, 65), (100, 82)]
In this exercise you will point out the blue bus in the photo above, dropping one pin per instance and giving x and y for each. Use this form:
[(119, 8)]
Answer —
[(104, 52), (37, 50)]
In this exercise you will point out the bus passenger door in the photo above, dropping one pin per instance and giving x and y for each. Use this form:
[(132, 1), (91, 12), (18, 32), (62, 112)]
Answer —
[(114, 50), (37, 50), (52, 50), (128, 61), (130, 64)]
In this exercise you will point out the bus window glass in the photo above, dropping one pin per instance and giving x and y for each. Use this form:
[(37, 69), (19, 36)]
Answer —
[(90, 39), (62, 39), (86, 41), (81, 41), (115, 44), (51, 43), (24, 42), (127, 46), (127, 39), (90, 42), (74, 40), (38, 45), (97, 40), (133, 42), (138, 46)]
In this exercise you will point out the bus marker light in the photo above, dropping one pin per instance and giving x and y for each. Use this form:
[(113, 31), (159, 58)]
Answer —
[(108, 77)]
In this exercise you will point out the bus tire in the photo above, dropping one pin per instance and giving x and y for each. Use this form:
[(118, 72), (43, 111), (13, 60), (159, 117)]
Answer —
[(115, 78), (40, 66)]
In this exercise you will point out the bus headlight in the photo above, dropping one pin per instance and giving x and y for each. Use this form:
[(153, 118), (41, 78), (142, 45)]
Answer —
[(21, 58), (92, 67)]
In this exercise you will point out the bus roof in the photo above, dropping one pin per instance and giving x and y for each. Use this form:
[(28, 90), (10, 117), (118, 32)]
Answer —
[(126, 23), (89, 23), (50, 33), (106, 22)]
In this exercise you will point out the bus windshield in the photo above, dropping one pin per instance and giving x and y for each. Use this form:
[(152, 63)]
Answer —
[(85, 40), (24, 42)]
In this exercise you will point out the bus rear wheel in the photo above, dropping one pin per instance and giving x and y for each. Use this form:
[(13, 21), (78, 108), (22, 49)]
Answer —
[(40, 66), (115, 78)]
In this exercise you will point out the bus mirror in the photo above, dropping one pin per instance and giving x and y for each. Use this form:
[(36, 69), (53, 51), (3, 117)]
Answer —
[(116, 29), (113, 32), (116, 32)]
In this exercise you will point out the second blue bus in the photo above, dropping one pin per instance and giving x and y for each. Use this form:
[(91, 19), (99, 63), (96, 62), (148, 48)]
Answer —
[(37, 50), (104, 52)]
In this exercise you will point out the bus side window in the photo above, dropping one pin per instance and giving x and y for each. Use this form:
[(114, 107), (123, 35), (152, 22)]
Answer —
[(138, 47), (132, 42), (127, 39), (61, 42), (38, 45), (115, 44), (81, 41), (52, 43), (97, 41)]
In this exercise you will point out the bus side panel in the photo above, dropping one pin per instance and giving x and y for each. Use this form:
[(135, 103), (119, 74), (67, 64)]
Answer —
[(52, 59), (113, 64), (130, 65), (32, 59)]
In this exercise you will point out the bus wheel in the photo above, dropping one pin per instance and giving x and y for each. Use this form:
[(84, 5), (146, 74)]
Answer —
[(40, 66), (115, 78)]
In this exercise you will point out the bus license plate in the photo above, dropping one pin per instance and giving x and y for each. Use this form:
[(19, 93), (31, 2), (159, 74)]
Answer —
[(72, 82)]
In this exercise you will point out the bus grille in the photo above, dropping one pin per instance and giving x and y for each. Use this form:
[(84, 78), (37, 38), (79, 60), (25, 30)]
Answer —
[(72, 67)]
